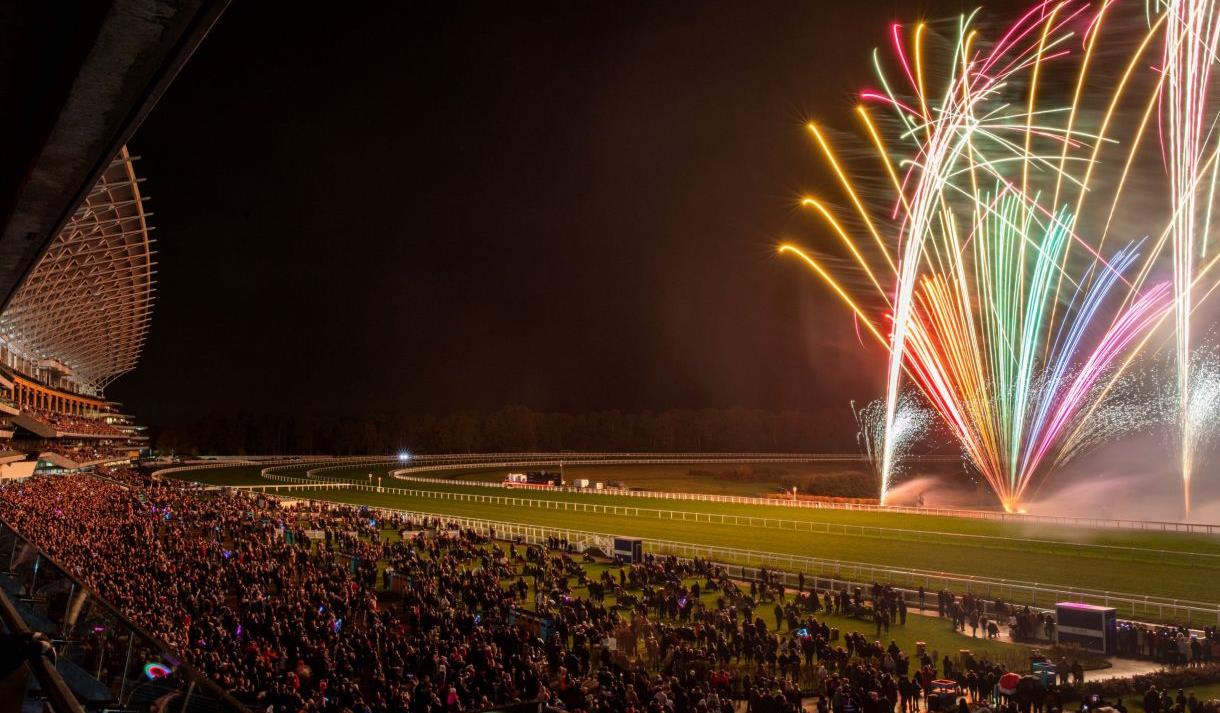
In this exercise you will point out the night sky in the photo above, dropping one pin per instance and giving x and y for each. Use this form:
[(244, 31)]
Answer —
[(567, 205)]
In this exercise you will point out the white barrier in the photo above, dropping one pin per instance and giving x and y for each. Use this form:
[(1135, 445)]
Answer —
[(288, 487), (198, 466), (407, 474), (536, 460), (812, 526)]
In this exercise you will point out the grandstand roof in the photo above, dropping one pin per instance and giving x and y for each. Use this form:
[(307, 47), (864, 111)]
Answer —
[(87, 302), (78, 83)]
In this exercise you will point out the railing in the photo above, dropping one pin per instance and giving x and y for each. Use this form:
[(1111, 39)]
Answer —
[(579, 456), (58, 696), (812, 526), (407, 474), (489, 460), (1033, 594), (445, 463), (289, 487), (106, 652), (202, 466)]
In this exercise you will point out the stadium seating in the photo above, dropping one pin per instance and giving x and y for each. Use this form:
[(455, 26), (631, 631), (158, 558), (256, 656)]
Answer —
[(66, 424)]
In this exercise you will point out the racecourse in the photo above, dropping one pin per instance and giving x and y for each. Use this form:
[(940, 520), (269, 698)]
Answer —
[(1159, 564)]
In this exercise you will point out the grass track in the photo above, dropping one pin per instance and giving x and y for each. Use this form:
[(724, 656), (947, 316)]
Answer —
[(231, 475)]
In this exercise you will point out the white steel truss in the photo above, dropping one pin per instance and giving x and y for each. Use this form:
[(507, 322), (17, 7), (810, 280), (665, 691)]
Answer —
[(88, 301)]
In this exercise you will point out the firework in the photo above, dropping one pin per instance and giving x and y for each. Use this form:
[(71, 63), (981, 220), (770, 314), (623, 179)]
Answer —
[(1133, 405), (1192, 37), (911, 422), (1014, 318), (1202, 404)]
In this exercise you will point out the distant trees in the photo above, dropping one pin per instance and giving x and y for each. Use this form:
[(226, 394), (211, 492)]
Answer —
[(512, 428)]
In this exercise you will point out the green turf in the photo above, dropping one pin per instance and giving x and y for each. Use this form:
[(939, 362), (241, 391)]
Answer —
[(229, 475)]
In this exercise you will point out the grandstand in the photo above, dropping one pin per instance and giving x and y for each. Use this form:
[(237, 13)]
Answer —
[(76, 323), (76, 292)]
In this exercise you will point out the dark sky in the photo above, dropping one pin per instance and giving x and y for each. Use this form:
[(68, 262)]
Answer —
[(570, 205)]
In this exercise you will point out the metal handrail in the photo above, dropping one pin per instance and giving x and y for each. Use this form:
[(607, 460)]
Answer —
[(52, 684)]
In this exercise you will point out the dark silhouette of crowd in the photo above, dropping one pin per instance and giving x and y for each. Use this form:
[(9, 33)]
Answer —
[(1171, 645)]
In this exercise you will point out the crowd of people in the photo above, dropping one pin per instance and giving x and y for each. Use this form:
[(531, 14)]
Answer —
[(1175, 645), (1162, 700), (1171, 645), (987, 617), (315, 607), (87, 453), (72, 424)]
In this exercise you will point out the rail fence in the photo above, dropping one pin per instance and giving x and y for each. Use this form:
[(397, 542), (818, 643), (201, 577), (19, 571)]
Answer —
[(1164, 609), (490, 461), (436, 463), (1146, 554), (290, 487), (584, 456), (200, 466), (266, 464), (408, 474)]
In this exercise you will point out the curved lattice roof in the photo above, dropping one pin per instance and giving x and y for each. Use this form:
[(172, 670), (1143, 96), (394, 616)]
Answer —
[(87, 302)]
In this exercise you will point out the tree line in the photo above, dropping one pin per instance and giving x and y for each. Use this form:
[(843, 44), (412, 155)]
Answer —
[(512, 428)]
